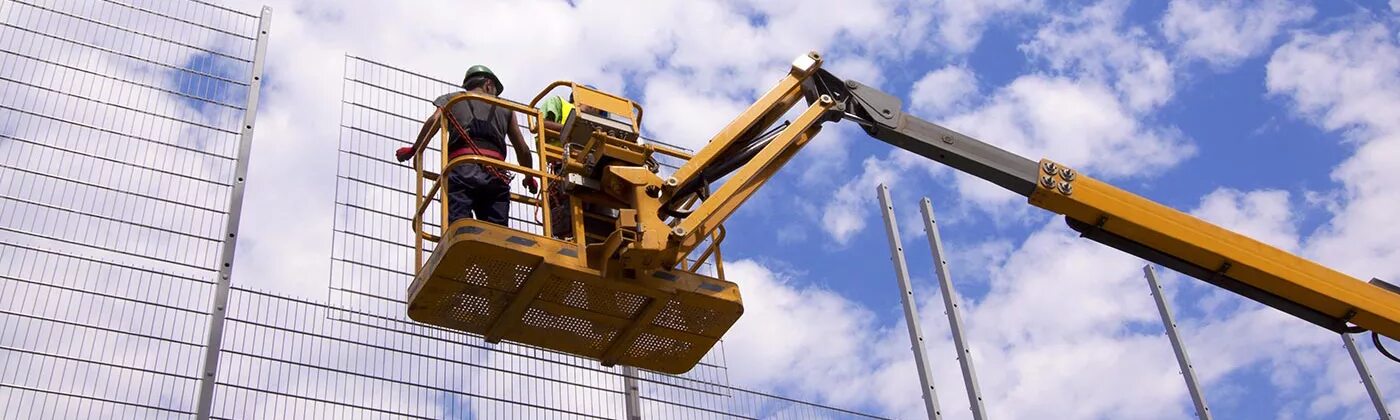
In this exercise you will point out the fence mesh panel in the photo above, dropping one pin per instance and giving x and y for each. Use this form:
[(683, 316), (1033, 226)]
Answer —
[(119, 128), (120, 124)]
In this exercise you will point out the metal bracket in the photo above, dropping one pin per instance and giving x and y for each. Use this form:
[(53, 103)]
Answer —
[(577, 180), (1385, 285), (878, 106)]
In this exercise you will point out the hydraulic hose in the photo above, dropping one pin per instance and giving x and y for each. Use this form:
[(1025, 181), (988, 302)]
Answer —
[(733, 158)]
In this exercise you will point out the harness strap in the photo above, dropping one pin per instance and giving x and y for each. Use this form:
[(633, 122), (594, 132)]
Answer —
[(471, 148)]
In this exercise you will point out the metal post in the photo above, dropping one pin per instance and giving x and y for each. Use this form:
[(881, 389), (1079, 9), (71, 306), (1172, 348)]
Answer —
[(1366, 377), (218, 310), (633, 392), (1182, 359), (950, 304), (911, 311)]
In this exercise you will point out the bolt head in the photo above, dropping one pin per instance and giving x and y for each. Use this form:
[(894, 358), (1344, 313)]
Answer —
[(1047, 181), (1066, 188), (1067, 173), (1050, 167)]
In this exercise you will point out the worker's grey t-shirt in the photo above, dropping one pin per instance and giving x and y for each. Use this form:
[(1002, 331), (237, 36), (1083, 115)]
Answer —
[(487, 124)]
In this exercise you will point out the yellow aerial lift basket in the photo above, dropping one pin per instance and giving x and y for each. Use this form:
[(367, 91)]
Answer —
[(505, 284), (594, 293)]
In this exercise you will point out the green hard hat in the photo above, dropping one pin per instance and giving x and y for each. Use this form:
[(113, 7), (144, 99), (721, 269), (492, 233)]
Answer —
[(480, 70)]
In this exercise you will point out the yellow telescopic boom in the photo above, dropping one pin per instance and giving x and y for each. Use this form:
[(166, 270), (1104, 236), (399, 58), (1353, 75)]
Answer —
[(1131, 223), (1099, 211)]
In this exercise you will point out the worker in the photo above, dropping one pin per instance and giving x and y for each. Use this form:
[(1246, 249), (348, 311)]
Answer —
[(477, 128), (555, 111)]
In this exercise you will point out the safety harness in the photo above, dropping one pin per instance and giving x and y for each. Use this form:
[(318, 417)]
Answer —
[(471, 148)]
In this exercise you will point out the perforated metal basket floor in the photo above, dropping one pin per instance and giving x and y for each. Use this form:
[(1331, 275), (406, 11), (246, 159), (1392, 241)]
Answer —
[(510, 285)]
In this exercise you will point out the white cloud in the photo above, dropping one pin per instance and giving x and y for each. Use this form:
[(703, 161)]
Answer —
[(1349, 82), (1063, 325), (704, 114), (1078, 123), (1050, 334), (826, 156), (788, 328), (1091, 116), (63, 180), (1262, 215), (1341, 80), (942, 91), (1223, 33), (980, 258), (863, 69), (845, 215), (960, 23), (1094, 43)]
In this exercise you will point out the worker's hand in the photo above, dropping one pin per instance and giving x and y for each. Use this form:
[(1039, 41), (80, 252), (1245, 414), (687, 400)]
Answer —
[(531, 184), (404, 153)]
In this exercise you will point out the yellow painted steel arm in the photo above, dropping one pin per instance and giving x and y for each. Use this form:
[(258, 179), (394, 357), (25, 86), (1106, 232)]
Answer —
[(1101, 212), (724, 202), (744, 156), (1101, 207), (758, 117), (1134, 224)]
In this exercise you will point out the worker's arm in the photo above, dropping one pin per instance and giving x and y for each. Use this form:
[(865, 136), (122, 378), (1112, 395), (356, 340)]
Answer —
[(430, 126), (522, 154), (554, 126)]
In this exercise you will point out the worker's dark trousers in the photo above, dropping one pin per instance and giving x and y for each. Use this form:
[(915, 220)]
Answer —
[(470, 189)]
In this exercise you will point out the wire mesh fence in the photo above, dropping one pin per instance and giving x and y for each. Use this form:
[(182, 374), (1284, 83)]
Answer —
[(119, 126), (120, 146), (288, 358)]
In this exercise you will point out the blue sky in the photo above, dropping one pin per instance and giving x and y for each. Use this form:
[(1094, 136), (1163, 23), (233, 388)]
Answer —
[(1268, 118)]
